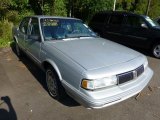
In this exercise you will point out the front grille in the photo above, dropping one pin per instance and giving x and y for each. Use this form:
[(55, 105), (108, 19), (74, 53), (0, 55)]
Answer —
[(140, 70), (127, 76), (122, 78)]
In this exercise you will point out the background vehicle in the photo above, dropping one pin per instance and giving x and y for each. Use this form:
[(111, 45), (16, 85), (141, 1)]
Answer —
[(158, 20), (129, 29), (94, 71)]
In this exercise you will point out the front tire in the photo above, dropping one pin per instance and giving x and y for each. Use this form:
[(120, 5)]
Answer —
[(156, 50), (54, 86), (18, 50)]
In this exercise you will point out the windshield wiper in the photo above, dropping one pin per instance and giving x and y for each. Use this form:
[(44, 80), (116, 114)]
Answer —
[(77, 35)]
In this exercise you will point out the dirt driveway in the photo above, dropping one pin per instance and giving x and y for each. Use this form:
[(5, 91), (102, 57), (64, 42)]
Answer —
[(24, 96)]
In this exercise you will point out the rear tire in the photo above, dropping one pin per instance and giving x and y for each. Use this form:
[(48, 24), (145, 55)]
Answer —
[(156, 50), (54, 86)]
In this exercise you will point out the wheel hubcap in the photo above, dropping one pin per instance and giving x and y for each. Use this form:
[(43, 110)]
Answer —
[(51, 83), (157, 51)]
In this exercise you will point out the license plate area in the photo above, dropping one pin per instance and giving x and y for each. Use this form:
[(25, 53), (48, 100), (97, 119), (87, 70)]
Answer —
[(127, 76)]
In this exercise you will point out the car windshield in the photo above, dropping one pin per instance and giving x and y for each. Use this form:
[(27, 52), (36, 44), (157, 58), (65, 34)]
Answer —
[(151, 22), (59, 29)]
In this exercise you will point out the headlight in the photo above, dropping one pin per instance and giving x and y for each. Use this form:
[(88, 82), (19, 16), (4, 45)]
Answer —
[(145, 64), (99, 83)]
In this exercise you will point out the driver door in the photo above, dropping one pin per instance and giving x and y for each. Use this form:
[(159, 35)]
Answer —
[(136, 31)]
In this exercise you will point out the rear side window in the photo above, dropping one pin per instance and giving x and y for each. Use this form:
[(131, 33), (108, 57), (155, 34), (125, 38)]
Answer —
[(116, 20), (24, 25), (100, 18)]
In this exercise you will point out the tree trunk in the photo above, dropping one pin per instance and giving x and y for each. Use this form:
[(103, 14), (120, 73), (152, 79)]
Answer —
[(52, 8), (148, 6)]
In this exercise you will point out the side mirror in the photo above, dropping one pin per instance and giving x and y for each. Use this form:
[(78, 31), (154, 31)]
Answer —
[(144, 26), (34, 37)]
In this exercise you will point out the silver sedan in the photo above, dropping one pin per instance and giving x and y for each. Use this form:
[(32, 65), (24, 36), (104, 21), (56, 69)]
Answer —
[(94, 71)]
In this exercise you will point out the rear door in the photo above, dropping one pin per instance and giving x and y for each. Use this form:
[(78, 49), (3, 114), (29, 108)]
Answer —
[(113, 29), (97, 23), (22, 32)]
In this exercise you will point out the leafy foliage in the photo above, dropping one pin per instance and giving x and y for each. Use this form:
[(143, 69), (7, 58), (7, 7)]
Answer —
[(154, 10), (139, 6), (60, 8), (12, 11), (5, 32), (84, 9)]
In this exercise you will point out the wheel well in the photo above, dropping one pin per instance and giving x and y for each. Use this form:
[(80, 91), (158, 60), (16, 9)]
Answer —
[(157, 40), (61, 89), (47, 65)]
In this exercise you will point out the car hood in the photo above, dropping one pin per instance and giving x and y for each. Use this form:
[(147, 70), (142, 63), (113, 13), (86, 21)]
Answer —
[(94, 53), (156, 28)]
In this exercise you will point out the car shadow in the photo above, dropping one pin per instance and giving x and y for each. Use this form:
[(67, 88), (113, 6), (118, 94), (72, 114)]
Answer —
[(40, 77), (9, 114)]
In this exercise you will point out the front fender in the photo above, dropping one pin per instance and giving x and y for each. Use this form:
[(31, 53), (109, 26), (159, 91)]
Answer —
[(53, 64)]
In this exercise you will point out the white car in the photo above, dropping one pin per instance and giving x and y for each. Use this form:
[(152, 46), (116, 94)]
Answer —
[(94, 71)]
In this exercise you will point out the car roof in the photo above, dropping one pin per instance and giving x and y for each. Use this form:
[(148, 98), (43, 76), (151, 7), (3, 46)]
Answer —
[(121, 13), (47, 16)]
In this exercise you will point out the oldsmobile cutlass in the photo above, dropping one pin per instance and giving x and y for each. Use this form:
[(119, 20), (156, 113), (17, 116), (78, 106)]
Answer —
[(94, 71)]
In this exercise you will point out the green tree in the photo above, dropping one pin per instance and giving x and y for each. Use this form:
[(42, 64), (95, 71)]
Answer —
[(36, 6), (48, 7), (4, 6), (60, 8), (154, 10), (84, 9), (127, 5), (140, 6)]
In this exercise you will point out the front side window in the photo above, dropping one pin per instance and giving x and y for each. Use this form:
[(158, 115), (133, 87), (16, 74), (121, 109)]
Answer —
[(134, 21), (54, 28)]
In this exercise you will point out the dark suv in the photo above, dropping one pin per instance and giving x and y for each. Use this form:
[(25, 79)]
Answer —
[(128, 29), (158, 20)]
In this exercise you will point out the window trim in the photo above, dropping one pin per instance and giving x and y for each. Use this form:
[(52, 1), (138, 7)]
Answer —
[(25, 20)]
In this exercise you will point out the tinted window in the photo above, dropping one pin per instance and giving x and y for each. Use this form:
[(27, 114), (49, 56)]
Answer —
[(135, 21), (100, 18), (24, 25), (116, 19), (34, 27)]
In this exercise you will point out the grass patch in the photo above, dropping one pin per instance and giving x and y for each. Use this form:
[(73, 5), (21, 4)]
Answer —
[(5, 33), (5, 43)]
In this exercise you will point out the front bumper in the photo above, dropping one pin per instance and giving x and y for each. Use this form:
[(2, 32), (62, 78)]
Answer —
[(110, 96)]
